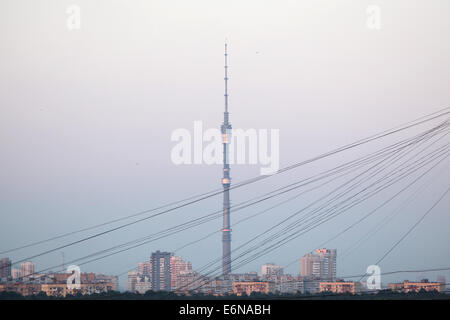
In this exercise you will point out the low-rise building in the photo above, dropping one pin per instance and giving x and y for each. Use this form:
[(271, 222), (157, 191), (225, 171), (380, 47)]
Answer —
[(310, 285), (285, 283), (220, 286), (62, 290), (24, 289), (55, 285), (408, 286), (248, 287), (339, 287)]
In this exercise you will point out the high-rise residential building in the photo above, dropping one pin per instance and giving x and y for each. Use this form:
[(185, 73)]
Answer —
[(5, 268), (27, 268), (15, 273), (271, 269), (319, 265), (145, 268), (161, 276), (177, 267), (132, 280)]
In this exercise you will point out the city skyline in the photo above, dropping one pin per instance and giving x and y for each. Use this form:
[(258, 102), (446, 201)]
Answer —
[(164, 271)]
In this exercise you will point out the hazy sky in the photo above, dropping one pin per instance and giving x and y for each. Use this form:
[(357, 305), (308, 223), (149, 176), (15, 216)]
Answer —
[(86, 115)]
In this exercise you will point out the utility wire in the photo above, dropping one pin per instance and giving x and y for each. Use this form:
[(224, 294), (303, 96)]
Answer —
[(270, 229), (266, 249), (209, 194), (121, 251)]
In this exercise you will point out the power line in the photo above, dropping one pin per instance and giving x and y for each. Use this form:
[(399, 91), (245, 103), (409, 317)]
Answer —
[(97, 259), (289, 238), (344, 168), (265, 250), (280, 232), (176, 229), (394, 213), (407, 201), (209, 194), (399, 271), (413, 227), (105, 256), (259, 213)]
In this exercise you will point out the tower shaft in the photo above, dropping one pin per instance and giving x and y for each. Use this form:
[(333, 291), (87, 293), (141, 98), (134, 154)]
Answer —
[(226, 181)]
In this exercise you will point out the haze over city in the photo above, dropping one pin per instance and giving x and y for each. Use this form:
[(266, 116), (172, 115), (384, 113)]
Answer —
[(87, 117)]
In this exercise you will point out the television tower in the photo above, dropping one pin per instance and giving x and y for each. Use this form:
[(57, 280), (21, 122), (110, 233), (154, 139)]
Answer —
[(226, 181)]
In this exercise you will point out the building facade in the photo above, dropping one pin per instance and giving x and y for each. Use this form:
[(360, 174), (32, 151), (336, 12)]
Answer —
[(143, 284), (27, 268), (15, 273), (161, 275), (5, 268), (248, 287), (178, 269), (55, 285), (271, 269), (287, 283), (340, 287), (408, 286), (132, 280), (319, 265), (145, 268)]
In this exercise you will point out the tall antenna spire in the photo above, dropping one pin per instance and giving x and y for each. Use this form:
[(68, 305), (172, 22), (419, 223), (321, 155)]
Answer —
[(226, 80), (226, 181)]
